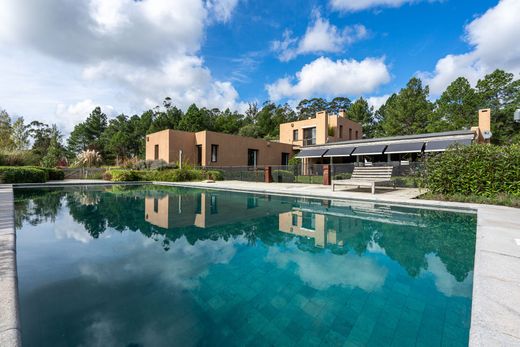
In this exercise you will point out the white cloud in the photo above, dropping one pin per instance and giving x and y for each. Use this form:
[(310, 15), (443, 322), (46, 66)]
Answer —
[(122, 53), (70, 115), (494, 38), (325, 269), (445, 282), (320, 36), (359, 5), (221, 9), (331, 78), (377, 101)]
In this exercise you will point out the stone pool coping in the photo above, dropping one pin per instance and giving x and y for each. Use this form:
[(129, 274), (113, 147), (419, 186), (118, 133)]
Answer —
[(495, 312)]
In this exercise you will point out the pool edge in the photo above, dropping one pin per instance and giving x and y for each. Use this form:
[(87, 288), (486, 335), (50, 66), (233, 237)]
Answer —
[(494, 314), (10, 332)]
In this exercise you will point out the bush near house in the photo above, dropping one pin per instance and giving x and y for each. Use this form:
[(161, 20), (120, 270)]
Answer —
[(21, 174), (164, 175), (29, 174), (476, 170)]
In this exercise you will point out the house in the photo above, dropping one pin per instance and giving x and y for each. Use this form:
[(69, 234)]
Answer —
[(322, 129), (212, 149), (395, 149)]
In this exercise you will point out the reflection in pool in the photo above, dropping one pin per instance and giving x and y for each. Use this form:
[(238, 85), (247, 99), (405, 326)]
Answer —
[(157, 266)]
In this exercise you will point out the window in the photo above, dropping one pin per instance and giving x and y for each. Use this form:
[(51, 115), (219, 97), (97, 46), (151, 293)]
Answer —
[(294, 221), (155, 205), (308, 220), (252, 157), (199, 155), (356, 134), (309, 136), (198, 204), (252, 202), (285, 158), (295, 135), (350, 133), (214, 151), (213, 205), (156, 152), (341, 131), (147, 138)]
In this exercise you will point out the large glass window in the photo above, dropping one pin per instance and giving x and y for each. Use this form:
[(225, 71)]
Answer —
[(309, 136), (252, 157), (285, 158), (214, 153)]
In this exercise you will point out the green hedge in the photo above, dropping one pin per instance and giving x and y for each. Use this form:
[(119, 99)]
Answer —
[(52, 174), (164, 175), (22, 174), (125, 175), (479, 170)]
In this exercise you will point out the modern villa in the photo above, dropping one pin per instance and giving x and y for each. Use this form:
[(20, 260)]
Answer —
[(324, 139)]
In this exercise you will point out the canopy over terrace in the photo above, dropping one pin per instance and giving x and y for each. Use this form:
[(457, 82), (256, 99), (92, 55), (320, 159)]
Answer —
[(386, 148)]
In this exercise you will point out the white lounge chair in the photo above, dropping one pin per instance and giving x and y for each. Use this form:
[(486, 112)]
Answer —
[(366, 177)]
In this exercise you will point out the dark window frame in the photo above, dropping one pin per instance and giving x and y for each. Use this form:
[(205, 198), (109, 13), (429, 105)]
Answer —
[(156, 152), (295, 135), (214, 153)]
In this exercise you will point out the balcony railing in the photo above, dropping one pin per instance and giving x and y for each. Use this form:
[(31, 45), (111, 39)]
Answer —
[(309, 141)]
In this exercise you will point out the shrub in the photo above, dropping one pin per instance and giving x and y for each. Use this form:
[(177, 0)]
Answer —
[(283, 176), (54, 174), (107, 175), (124, 175), (215, 175), (22, 174), (479, 170), (18, 158)]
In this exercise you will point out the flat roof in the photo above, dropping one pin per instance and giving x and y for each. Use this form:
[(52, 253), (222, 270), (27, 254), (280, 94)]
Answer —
[(393, 139)]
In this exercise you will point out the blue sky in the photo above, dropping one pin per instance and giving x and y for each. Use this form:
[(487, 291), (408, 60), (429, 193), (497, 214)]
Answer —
[(60, 58)]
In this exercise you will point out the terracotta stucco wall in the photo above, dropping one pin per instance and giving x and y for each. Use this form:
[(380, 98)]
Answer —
[(320, 122), (162, 139), (336, 121), (233, 149)]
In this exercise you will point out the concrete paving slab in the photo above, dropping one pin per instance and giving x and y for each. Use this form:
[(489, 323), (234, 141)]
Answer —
[(9, 309)]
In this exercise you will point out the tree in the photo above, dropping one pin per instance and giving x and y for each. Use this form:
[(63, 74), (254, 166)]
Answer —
[(308, 108), (6, 130), (337, 104), (362, 113), (20, 135), (408, 112), (41, 134), (88, 135), (250, 130), (55, 151), (456, 109), (195, 119), (227, 122), (500, 92)]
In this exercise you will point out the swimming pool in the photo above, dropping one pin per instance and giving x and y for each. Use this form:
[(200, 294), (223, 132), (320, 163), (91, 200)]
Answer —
[(151, 265)]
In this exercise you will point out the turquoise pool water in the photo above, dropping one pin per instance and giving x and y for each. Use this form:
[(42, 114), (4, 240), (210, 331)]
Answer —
[(163, 266)]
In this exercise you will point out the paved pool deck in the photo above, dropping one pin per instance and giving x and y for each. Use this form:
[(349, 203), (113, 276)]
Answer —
[(495, 316)]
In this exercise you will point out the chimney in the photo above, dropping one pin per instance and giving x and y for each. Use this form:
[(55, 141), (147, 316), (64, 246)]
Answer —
[(342, 113), (484, 119)]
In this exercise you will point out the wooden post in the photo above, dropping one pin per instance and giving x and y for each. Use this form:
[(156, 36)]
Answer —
[(326, 175), (268, 177)]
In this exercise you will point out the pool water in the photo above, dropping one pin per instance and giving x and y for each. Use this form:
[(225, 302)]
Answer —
[(163, 266)]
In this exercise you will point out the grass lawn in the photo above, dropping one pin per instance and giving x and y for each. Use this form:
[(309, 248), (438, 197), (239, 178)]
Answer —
[(500, 199)]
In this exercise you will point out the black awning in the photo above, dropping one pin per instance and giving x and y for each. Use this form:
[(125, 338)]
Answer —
[(405, 147), (442, 145), (311, 153), (344, 151), (369, 150)]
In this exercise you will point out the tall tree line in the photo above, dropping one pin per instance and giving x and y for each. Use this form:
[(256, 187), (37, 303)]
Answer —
[(409, 111)]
